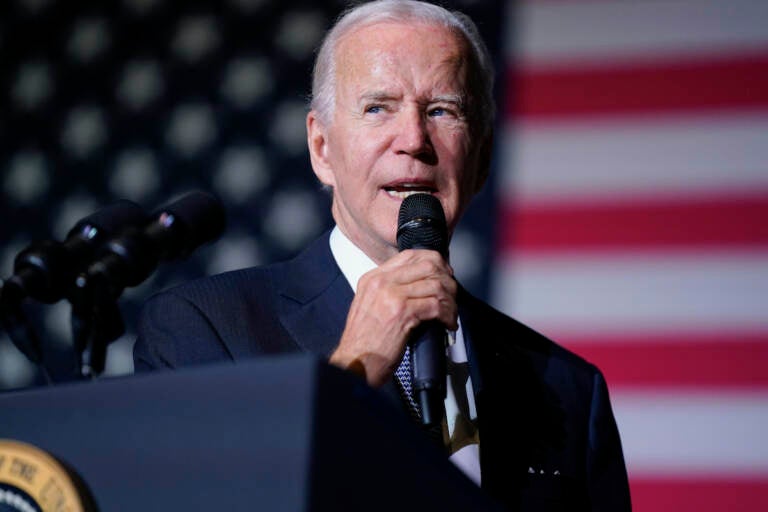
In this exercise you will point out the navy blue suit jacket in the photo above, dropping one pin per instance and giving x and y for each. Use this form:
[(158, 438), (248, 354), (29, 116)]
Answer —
[(548, 437)]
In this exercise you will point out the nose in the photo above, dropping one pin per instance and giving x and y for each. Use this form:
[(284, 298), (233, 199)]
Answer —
[(412, 136)]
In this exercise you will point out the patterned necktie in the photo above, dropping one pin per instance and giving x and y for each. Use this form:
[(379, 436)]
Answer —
[(403, 374)]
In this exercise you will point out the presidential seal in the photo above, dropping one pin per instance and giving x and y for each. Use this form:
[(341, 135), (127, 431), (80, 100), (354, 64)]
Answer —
[(33, 481)]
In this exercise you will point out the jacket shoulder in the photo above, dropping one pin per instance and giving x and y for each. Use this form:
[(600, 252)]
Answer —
[(511, 333)]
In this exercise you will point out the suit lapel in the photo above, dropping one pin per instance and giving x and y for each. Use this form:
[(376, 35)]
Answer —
[(313, 298)]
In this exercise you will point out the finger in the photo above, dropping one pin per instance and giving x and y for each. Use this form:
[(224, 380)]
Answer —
[(440, 287), (411, 256), (426, 309), (414, 266)]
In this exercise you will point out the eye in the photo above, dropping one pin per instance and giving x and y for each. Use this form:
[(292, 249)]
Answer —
[(444, 111), (437, 112), (374, 109)]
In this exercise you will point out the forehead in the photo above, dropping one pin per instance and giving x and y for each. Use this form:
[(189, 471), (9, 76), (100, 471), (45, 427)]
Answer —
[(405, 51)]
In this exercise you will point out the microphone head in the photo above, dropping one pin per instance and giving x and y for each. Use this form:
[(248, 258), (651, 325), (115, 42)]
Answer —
[(108, 221), (174, 231), (46, 270), (193, 219), (421, 224)]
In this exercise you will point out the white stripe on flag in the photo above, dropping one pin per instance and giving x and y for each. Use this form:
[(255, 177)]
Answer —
[(714, 433), (599, 291), (553, 32), (631, 157)]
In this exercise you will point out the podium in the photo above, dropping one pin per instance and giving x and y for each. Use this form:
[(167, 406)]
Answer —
[(275, 434)]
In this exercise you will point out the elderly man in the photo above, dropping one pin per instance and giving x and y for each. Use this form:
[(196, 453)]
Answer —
[(402, 104)]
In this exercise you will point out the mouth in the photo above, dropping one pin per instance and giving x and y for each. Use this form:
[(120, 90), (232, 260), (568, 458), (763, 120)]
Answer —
[(403, 190)]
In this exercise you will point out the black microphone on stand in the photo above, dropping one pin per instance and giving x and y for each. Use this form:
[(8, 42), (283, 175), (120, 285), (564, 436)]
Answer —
[(421, 225), (45, 270), (173, 231), (126, 260)]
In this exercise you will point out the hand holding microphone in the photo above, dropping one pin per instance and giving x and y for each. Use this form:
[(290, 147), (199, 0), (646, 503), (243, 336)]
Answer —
[(421, 225), (400, 298)]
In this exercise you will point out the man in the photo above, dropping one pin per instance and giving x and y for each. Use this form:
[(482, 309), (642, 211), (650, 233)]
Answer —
[(402, 104)]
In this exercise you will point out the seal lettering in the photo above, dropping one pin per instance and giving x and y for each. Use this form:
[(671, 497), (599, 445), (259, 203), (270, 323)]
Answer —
[(30, 472), (23, 470), (52, 496)]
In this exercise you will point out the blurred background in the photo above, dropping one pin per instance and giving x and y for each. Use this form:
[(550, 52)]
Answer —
[(626, 217)]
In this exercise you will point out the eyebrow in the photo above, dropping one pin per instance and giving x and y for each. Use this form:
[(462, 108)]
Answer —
[(377, 96), (456, 99)]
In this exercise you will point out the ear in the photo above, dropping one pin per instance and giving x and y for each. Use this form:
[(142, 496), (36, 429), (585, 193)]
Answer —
[(317, 140)]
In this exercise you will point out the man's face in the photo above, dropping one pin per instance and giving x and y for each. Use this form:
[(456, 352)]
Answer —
[(399, 126)]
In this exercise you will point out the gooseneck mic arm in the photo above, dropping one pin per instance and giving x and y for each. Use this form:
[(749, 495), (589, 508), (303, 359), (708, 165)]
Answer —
[(421, 225)]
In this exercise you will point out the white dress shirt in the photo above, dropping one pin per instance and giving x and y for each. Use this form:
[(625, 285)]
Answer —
[(460, 419)]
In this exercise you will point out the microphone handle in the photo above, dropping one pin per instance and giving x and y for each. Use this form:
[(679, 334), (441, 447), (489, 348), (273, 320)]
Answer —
[(428, 367)]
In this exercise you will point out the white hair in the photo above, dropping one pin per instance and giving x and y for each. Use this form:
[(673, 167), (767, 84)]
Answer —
[(480, 104)]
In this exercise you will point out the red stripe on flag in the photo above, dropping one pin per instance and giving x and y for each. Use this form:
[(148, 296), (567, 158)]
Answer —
[(701, 495), (639, 87), (728, 360), (668, 223)]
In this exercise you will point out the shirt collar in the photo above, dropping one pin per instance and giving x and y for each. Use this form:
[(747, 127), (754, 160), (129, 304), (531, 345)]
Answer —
[(352, 261)]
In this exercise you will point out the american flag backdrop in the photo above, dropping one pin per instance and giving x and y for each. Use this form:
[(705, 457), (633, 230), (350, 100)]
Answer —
[(626, 217), (633, 227)]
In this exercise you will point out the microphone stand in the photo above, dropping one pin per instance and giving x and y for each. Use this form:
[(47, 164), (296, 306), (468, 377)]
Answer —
[(19, 330), (96, 322)]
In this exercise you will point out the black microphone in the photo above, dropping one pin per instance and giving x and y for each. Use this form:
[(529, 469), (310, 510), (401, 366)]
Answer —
[(46, 270), (172, 232), (421, 225)]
